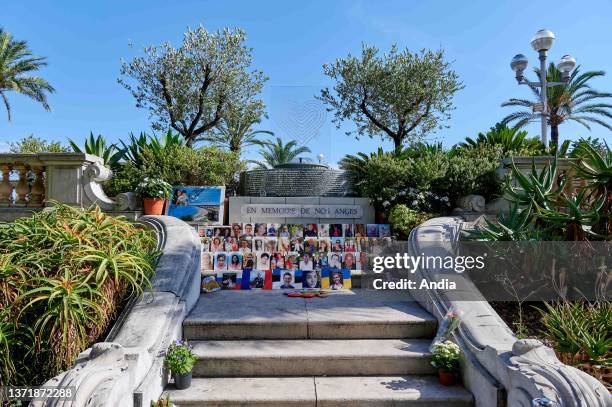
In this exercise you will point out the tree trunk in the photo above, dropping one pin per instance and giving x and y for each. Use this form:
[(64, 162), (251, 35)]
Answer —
[(554, 135)]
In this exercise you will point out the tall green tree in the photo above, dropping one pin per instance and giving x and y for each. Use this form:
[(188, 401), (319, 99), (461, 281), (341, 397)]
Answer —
[(400, 95), (189, 88), (235, 130), (16, 67), (575, 101), (277, 152)]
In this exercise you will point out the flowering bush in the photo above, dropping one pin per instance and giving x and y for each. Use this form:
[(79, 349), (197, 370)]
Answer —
[(403, 220), (180, 358), (446, 356), (154, 188)]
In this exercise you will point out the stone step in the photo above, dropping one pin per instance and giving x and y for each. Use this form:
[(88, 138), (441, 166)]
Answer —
[(308, 357), (358, 314), (321, 391)]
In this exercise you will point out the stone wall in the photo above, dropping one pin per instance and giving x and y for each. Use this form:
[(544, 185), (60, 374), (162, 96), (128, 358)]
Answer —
[(303, 180)]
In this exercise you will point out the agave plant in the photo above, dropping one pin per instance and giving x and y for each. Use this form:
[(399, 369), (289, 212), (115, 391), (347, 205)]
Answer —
[(576, 218), (595, 166), (516, 225), (110, 154), (539, 188), (157, 145)]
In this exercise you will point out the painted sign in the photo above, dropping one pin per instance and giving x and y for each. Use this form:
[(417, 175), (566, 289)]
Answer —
[(198, 204), (301, 211)]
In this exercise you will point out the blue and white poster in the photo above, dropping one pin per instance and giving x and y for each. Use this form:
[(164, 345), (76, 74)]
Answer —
[(198, 204)]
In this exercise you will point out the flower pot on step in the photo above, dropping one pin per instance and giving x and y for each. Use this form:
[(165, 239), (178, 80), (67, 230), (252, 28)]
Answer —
[(153, 206), (447, 378), (182, 381)]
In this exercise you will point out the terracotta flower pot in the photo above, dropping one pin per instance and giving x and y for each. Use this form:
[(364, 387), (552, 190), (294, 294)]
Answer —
[(447, 378), (153, 206)]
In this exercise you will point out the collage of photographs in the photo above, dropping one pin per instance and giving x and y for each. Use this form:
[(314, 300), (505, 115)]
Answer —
[(288, 256)]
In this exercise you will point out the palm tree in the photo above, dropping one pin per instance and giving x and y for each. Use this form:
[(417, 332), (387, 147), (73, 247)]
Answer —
[(511, 139), (566, 102), (235, 130), (16, 62), (276, 153)]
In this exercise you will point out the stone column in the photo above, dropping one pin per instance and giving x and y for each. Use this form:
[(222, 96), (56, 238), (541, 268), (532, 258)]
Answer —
[(5, 187), (21, 189), (37, 193)]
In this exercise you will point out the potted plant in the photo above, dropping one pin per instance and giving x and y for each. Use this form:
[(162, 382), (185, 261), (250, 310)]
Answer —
[(445, 357), (180, 361), (154, 193)]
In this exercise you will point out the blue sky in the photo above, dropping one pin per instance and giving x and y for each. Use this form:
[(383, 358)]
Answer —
[(84, 42)]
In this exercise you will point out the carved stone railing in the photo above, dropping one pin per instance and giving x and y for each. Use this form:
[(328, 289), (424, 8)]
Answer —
[(34, 180), (127, 369), (499, 369)]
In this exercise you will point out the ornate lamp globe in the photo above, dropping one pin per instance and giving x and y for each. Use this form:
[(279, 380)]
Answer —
[(566, 65), (543, 40), (519, 64)]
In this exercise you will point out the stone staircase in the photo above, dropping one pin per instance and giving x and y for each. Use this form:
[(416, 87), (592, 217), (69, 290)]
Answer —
[(354, 348)]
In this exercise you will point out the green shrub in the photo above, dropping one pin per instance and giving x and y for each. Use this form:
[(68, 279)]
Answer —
[(154, 188), (64, 274), (180, 358), (403, 220), (33, 145), (179, 165), (446, 356), (581, 330)]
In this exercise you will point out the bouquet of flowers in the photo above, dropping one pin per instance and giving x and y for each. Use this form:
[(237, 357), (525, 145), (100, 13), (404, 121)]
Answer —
[(450, 322), (154, 188), (445, 356)]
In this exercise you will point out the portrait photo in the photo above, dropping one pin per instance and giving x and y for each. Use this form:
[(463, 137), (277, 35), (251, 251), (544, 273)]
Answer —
[(348, 229), (220, 261), (249, 260), (284, 245), (205, 243), (206, 261), (261, 230), (360, 230), (248, 230), (278, 261), (222, 231), (296, 230), (324, 244), (216, 244), (336, 279), (197, 204), (324, 230), (335, 261), (362, 244), (311, 245), (335, 230), (283, 279), (229, 281), (236, 230), (245, 245), (372, 230), (257, 279), (273, 229), (292, 261), (320, 260), (271, 245), (310, 230), (235, 261), (306, 262), (337, 244), (362, 261), (311, 279), (284, 231), (349, 261), (231, 244), (259, 244), (297, 245), (263, 261), (384, 230), (350, 244)]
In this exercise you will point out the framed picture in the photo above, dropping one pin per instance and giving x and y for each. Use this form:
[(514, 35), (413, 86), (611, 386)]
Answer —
[(263, 261), (230, 280), (360, 230), (273, 229), (296, 230), (245, 245), (384, 230), (249, 260), (306, 262), (259, 244), (248, 230), (349, 261), (217, 244), (198, 204), (206, 261), (220, 261), (236, 230), (271, 245), (372, 230), (323, 230), (350, 244), (205, 243), (284, 231), (335, 260), (335, 230), (348, 230), (261, 230), (324, 244), (337, 244), (284, 279), (231, 244), (336, 279), (310, 230), (311, 279), (278, 261), (234, 261), (259, 279)]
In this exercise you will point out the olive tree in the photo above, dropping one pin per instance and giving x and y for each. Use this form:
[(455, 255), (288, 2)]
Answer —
[(400, 95), (189, 88)]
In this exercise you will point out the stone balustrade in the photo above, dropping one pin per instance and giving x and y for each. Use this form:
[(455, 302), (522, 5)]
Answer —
[(31, 181)]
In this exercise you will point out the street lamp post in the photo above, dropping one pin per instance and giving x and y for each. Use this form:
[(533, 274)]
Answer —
[(542, 42)]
